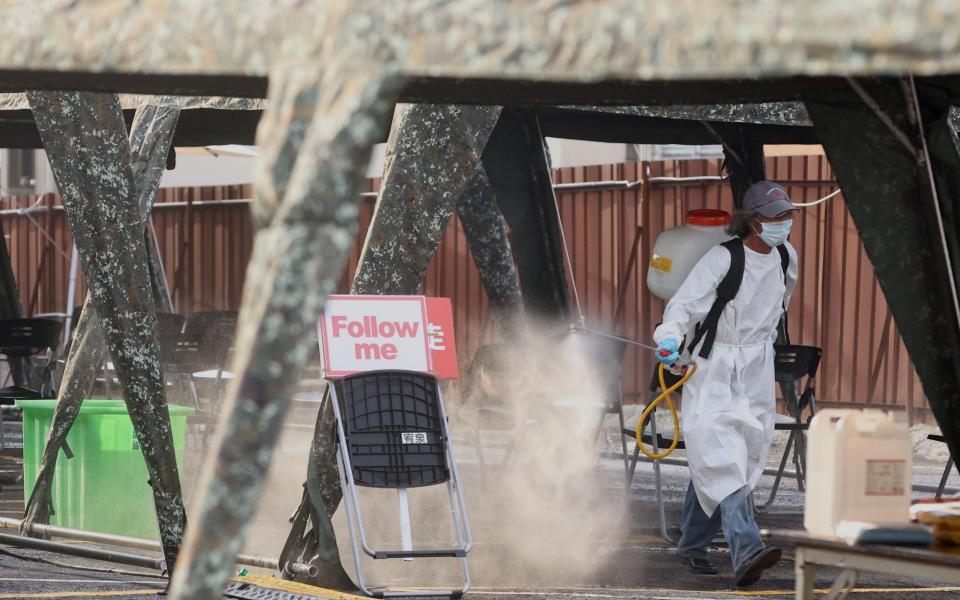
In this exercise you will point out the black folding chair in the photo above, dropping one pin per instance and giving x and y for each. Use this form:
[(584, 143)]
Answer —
[(606, 357), (220, 322), (656, 440), (23, 339), (946, 469), (490, 365), (606, 354), (794, 363), (392, 434), (183, 354)]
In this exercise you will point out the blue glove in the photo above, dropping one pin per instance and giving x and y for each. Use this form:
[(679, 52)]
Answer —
[(667, 352)]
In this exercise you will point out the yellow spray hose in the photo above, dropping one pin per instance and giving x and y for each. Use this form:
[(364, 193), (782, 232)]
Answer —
[(664, 395)]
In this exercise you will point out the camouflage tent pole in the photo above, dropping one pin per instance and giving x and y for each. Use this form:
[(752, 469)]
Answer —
[(490, 247), (433, 150), (86, 142), (433, 156), (315, 139), (150, 136), (872, 137)]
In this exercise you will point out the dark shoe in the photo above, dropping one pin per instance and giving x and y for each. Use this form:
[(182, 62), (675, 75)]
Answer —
[(750, 571), (699, 566)]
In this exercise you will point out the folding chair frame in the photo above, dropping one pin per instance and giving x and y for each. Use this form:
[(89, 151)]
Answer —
[(797, 440), (351, 501), (657, 442), (946, 469)]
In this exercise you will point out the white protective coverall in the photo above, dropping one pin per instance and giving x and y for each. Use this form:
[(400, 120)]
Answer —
[(729, 403)]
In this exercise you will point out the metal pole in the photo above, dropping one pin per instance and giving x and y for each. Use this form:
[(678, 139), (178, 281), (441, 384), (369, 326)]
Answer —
[(581, 320), (71, 296), (159, 255), (122, 558), (142, 544)]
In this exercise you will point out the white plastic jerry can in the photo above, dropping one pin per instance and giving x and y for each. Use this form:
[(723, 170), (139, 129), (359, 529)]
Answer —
[(859, 465), (677, 250)]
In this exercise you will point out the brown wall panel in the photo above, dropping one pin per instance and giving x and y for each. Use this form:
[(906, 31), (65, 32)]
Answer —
[(205, 236)]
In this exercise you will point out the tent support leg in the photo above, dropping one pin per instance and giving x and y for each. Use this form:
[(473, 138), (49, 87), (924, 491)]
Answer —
[(316, 138), (105, 202)]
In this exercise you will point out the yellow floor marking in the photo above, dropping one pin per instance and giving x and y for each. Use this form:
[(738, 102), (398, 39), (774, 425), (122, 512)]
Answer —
[(580, 590), (275, 583), (152, 592), (916, 590)]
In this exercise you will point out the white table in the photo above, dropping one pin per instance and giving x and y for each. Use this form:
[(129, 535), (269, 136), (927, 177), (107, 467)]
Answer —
[(811, 553)]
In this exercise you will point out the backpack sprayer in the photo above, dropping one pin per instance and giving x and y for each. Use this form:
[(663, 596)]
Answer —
[(684, 368)]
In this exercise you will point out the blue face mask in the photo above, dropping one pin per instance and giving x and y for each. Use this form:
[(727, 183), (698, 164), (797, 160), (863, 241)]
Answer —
[(774, 234)]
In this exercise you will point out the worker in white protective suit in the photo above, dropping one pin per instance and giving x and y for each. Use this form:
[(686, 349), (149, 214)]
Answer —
[(729, 403)]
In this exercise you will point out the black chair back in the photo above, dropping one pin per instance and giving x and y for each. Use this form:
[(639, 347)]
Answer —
[(169, 324), (393, 427), (794, 362), (183, 353), (219, 322), (27, 337)]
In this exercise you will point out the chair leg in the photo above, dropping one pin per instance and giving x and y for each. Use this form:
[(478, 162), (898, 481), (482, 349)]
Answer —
[(657, 479), (623, 441), (779, 477), (481, 461), (792, 404), (633, 466), (943, 480), (799, 458)]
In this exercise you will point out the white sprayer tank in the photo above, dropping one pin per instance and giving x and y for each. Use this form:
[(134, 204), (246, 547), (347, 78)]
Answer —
[(859, 466), (677, 250)]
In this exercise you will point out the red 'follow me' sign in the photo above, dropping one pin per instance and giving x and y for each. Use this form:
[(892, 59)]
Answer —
[(369, 333)]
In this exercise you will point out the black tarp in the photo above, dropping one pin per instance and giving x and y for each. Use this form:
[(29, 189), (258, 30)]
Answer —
[(517, 169), (887, 191)]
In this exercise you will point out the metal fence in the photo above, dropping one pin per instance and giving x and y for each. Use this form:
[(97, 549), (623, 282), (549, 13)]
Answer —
[(205, 238)]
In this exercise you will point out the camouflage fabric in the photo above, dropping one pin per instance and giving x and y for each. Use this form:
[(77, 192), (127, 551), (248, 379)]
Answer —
[(150, 137), (889, 193), (490, 247), (86, 142), (19, 101), (761, 113), (539, 40), (317, 132), (421, 185), (307, 218)]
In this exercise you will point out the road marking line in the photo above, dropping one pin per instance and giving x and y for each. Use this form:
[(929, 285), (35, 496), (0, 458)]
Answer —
[(614, 592), (103, 581), (150, 592), (914, 590)]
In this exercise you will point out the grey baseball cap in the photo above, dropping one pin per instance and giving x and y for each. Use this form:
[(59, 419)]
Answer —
[(768, 198)]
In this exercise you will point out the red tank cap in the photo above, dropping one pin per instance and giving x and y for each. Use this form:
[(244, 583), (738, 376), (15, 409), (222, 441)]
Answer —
[(708, 217)]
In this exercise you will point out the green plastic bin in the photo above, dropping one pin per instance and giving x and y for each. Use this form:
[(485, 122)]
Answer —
[(104, 486)]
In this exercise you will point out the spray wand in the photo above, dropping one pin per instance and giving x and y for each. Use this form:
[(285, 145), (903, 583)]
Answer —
[(685, 368)]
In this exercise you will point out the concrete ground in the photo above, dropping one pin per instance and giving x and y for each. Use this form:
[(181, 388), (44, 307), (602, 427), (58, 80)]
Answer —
[(619, 555)]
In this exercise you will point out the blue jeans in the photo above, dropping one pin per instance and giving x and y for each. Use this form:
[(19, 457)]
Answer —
[(735, 515)]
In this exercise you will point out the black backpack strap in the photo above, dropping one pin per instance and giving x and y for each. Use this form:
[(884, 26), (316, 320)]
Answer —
[(783, 336), (726, 291), (784, 259)]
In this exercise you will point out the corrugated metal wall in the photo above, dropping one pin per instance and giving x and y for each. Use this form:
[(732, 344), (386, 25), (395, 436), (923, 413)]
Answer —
[(205, 237)]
